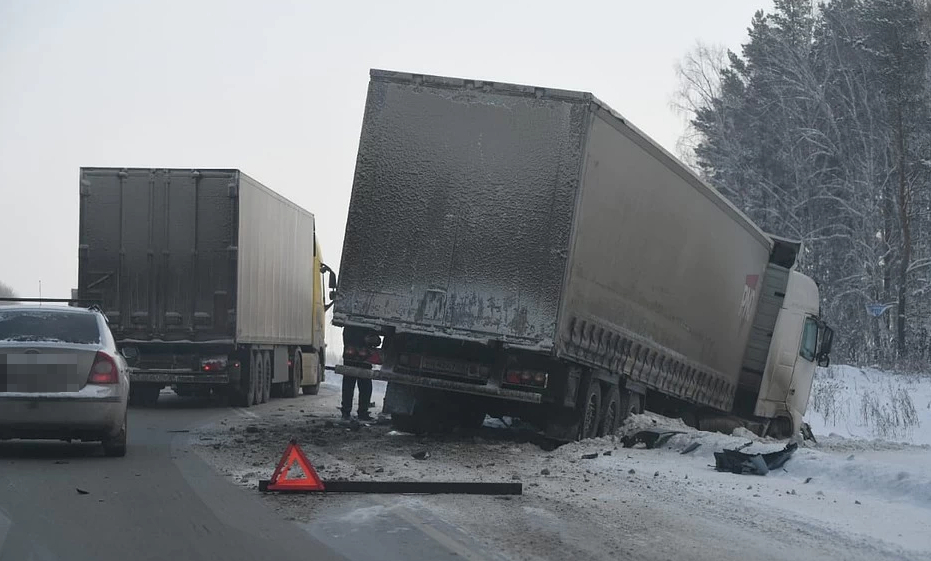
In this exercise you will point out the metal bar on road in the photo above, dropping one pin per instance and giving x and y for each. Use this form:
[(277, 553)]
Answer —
[(414, 487)]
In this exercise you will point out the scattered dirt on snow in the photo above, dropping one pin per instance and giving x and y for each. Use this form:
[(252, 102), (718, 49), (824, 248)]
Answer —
[(633, 502)]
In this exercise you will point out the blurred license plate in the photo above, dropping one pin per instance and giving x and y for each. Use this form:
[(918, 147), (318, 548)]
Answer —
[(441, 365)]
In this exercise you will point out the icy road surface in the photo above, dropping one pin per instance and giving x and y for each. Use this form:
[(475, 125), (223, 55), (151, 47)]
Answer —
[(840, 499)]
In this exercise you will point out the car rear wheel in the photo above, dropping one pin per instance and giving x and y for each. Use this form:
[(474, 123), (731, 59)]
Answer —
[(115, 446)]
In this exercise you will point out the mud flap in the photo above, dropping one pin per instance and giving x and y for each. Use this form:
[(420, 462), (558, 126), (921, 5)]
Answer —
[(563, 425), (400, 399)]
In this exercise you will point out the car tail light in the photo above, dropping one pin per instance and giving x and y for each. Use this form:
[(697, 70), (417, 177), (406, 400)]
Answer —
[(104, 370), (374, 357)]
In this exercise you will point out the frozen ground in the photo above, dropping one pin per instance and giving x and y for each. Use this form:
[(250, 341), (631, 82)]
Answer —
[(847, 497)]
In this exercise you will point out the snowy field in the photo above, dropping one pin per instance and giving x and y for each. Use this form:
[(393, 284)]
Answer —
[(871, 404), (863, 491)]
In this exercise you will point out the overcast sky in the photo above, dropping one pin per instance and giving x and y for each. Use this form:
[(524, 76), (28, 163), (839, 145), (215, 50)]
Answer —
[(277, 89)]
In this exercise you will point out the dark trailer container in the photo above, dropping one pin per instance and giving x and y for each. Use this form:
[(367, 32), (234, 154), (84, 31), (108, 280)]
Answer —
[(526, 250), (209, 279)]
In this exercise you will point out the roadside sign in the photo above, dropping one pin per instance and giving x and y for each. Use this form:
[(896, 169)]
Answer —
[(877, 310)]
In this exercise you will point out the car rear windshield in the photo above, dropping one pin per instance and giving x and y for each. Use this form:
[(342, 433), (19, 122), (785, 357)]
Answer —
[(48, 326)]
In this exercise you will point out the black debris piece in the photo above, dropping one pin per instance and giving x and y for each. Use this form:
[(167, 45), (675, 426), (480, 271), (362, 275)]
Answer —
[(740, 463), (544, 471), (607, 453), (651, 438), (82, 491), (422, 455), (252, 429), (590, 456)]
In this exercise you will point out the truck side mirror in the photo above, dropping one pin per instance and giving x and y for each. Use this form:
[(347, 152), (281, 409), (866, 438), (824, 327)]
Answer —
[(827, 340), (824, 361), (324, 268)]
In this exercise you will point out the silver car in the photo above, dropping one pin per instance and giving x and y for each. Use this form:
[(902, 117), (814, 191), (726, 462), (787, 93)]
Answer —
[(61, 377)]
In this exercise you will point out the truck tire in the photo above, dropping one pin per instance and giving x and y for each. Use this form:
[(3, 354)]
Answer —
[(631, 404), (591, 411), (406, 423), (255, 380), (315, 389), (293, 387), (612, 414), (267, 379), (144, 395)]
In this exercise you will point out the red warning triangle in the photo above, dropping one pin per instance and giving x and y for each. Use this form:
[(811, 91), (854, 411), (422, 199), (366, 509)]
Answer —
[(294, 455)]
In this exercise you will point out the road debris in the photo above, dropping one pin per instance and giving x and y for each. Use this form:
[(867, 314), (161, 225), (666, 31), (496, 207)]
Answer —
[(422, 455), (739, 462), (651, 438)]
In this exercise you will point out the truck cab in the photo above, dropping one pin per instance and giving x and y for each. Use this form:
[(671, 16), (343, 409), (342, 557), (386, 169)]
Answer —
[(801, 341)]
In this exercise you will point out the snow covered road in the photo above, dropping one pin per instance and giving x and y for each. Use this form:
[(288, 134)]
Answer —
[(840, 499)]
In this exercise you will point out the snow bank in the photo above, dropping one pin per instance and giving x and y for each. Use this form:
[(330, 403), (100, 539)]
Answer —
[(864, 403)]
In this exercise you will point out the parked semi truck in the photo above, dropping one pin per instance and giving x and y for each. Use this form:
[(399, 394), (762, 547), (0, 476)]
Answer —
[(525, 251), (211, 282)]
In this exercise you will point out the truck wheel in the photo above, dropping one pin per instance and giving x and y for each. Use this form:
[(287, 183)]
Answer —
[(293, 387), (406, 423), (267, 379), (631, 404), (612, 416), (591, 411), (144, 395), (255, 380), (315, 389), (472, 418)]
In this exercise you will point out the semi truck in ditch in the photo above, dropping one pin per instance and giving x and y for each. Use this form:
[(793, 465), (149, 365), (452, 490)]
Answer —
[(525, 251), (212, 283)]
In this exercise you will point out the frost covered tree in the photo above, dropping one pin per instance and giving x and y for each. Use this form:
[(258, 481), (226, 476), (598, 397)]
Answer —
[(819, 130), (6, 291)]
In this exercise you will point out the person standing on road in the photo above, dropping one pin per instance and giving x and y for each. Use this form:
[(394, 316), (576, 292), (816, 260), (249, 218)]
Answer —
[(349, 383), (365, 397)]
